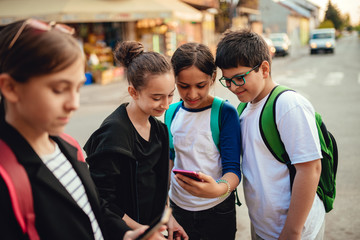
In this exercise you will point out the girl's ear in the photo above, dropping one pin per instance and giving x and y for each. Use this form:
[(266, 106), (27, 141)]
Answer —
[(133, 93), (213, 78), (8, 87)]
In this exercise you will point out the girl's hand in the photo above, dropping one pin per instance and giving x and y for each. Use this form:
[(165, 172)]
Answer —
[(132, 235), (208, 188), (175, 231)]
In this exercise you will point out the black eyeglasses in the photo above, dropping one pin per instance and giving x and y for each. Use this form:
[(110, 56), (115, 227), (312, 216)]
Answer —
[(43, 26), (237, 80)]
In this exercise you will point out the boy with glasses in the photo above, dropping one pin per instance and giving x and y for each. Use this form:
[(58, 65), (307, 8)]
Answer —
[(277, 209)]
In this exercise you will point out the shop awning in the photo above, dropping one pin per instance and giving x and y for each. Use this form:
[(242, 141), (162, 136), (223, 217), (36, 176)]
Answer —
[(69, 11)]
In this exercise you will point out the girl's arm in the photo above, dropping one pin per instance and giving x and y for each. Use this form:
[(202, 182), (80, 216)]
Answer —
[(171, 165), (230, 141), (131, 235), (209, 188), (131, 222), (230, 146)]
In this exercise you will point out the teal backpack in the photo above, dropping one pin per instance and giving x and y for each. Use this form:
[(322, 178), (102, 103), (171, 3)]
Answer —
[(327, 185), (215, 125), (215, 120)]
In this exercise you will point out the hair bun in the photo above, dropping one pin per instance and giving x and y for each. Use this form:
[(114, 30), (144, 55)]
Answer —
[(126, 51)]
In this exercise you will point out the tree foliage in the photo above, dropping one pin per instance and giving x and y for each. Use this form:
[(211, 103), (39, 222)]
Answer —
[(333, 14), (326, 24), (227, 10), (223, 18)]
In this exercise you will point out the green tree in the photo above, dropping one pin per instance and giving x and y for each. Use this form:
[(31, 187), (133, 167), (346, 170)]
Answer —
[(333, 14), (326, 24), (222, 19)]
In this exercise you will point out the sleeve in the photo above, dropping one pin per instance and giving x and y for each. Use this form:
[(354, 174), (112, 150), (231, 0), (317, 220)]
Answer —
[(107, 176), (109, 157), (230, 144), (297, 127), (115, 227)]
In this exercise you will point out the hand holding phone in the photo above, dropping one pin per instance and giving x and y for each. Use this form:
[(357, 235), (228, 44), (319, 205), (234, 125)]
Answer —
[(191, 174), (156, 224)]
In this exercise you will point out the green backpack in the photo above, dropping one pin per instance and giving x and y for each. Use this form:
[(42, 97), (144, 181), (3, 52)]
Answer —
[(215, 125), (327, 185)]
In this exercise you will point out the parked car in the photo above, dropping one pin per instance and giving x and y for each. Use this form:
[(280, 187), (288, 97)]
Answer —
[(271, 46), (322, 39), (281, 42)]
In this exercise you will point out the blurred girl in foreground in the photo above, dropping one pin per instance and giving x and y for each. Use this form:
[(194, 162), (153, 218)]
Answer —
[(41, 72)]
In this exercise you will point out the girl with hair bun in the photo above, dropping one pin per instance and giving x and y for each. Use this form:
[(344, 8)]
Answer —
[(41, 72), (128, 155)]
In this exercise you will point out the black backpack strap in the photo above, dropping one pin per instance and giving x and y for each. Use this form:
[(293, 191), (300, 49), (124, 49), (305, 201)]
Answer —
[(237, 200)]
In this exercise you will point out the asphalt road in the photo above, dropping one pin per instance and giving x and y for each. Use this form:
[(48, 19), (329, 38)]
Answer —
[(330, 81)]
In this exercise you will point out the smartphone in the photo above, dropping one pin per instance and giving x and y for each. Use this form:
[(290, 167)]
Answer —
[(156, 224), (191, 174)]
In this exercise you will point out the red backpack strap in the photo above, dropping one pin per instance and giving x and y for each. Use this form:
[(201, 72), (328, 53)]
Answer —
[(69, 139), (18, 184)]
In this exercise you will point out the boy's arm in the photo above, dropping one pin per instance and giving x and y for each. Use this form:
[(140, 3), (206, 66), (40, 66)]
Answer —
[(302, 197)]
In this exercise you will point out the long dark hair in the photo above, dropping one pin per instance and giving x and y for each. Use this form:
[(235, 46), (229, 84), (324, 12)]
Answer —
[(35, 53), (140, 64)]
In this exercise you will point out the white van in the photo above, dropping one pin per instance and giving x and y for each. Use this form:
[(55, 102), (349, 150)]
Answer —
[(322, 39)]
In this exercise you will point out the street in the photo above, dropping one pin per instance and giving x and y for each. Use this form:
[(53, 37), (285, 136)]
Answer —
[(330, 81)]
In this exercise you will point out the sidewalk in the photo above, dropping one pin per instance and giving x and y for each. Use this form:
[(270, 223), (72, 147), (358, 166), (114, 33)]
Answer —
[(112, 93)]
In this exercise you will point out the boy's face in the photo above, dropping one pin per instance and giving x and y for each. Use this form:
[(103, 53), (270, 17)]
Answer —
[(256, 82)]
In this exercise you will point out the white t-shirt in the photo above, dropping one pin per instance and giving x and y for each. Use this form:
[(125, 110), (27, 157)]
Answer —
[(266, 180), (194, 150)]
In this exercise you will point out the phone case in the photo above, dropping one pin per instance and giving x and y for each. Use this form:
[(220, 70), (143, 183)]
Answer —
[(191, 174)]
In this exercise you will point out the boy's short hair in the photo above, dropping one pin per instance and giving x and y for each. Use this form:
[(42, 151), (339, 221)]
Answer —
[(241, 48)]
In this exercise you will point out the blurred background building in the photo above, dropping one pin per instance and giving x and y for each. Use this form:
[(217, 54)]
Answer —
[(161, 25)]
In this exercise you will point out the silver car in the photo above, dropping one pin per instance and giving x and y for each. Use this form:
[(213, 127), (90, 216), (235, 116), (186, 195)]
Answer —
[(281, 42)]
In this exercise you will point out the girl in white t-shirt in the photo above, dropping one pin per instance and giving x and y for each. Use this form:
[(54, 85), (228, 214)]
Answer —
[(206, 208)]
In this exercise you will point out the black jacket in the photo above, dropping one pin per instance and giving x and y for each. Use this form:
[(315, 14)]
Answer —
[(113, 164), (58, 216)]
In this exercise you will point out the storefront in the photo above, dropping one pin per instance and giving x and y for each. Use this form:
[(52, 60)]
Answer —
[(160, 25)]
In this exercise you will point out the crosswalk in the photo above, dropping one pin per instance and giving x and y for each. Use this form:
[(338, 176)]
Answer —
[(306, 79), (334, 78)]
